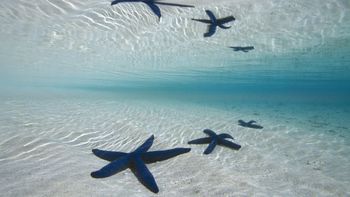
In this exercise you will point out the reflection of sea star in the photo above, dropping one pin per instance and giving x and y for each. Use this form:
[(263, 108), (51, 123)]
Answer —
[(152, 4), (215, 22), (214, 139), (136, 162)]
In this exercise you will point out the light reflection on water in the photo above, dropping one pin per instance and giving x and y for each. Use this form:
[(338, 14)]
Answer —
[(76, 75)]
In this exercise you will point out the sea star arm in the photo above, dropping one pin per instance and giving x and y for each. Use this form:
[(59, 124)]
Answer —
[(202, 20), (112, 168), (154, 156), (224, 27), (235, 48), (211, 147), (155, 9), (211, 16), (145, 146), (175, 4), (225, 135), (251, 122), (210, 31), (205, 140), (144, 175), (230, 144), (241, 122), (226, 19), (209, 132), (255, 126), (118, 1), (108, 155)]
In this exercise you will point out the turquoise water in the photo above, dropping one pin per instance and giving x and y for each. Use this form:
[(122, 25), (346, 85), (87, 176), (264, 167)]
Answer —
[(81, 75)]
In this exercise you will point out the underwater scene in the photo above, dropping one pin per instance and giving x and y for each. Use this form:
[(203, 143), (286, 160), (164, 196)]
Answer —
[(175, 98)]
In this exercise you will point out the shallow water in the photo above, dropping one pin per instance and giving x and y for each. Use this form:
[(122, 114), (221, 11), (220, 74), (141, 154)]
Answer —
[(296, 153), (81, 75)]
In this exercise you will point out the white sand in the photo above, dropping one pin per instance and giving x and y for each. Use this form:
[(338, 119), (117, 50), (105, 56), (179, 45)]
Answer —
[(45, 148), (46, 138)]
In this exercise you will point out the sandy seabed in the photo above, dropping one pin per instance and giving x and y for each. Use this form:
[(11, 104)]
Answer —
[(46, 138), (46, 144)]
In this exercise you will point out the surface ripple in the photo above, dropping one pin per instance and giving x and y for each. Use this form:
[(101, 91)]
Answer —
[(128, 38)]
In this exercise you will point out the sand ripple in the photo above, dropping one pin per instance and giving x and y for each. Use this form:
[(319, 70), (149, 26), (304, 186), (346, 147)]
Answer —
[(50, 149)]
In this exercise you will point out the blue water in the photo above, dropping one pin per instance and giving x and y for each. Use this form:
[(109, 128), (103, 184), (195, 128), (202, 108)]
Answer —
[(79, 75)]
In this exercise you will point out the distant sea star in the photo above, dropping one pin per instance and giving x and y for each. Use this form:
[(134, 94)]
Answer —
[(250, 124), (214, 140)]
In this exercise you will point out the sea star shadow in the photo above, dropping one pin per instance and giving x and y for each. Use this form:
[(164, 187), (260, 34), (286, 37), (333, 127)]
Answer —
[(152, 5), (214, 22)]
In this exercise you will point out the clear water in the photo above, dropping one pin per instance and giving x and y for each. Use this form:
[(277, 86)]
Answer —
[(77, 75)]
